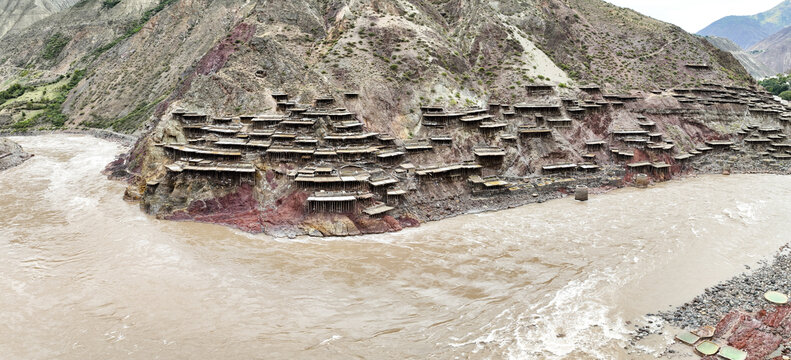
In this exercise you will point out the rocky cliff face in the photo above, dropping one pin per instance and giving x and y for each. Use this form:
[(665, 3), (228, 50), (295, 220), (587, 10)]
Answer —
[(381, 62), (11, 154)]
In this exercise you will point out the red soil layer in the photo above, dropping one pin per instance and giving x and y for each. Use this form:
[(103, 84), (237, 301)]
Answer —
[(241, 210), (214, 60), (288, 210), (237, 209)]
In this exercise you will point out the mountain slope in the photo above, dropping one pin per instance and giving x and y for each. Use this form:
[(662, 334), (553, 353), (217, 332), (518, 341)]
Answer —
[(130, 67), (775, 51), (19, 14), (751, 63), (402, 52), (749, 30)]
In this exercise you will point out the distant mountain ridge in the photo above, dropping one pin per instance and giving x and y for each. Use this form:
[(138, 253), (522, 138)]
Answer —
[(752, 63), (746, 31), (774, 51)]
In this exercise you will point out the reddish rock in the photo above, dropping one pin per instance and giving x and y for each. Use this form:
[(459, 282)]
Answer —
[(729, 323), (216, 58), (288, 210), (238, 209), (756, 342), (178, 215), (368, 225), (745, 331), (270, 179), (776, 318), (371, 225), (392, 223), (408, 221)]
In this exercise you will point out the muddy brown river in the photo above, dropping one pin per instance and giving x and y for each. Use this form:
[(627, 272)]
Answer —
[(85, 275)]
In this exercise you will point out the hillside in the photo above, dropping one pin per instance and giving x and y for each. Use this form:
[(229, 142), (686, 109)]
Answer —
[(750, 61), (775, 51), (749, 30), (424, 52), (246, 111)]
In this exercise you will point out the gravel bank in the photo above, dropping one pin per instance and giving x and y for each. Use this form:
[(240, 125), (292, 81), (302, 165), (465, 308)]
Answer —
[(744, 292)]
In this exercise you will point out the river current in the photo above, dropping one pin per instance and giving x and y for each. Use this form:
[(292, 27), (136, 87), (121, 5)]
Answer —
[(86, 275)]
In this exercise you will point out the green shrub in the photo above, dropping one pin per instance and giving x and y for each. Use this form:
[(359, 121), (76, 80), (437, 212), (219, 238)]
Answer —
[(777, 85), (108, 4), (785, 95), (13, 92), (23, 125), (54, 46), (52, 112)]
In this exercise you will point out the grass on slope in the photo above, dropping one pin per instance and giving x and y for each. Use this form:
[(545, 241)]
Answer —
[(48, 112), (13, 92), (54, 46)]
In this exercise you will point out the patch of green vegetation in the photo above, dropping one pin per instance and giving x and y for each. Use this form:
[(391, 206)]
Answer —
[(54, 46), (50, 114), (108, 4), (785, 95), (134, 27), (23, 124), (13, 92), (778, 84)]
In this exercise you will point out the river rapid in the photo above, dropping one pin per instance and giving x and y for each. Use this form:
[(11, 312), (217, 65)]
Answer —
[(85, 275)]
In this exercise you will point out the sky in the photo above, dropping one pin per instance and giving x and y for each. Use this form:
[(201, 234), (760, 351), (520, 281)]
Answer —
[(694, 15)]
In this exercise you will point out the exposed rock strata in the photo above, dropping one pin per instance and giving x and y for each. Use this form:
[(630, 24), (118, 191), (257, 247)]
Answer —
[(11, 154), (667, 134)]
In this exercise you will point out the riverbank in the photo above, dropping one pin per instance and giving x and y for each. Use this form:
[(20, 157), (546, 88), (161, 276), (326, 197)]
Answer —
[(215, 201), (11, 154), (738, 311), (557, 280)]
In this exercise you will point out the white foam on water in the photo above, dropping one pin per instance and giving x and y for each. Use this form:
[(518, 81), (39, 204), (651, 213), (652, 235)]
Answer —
[(573, 322), (744, 213)]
